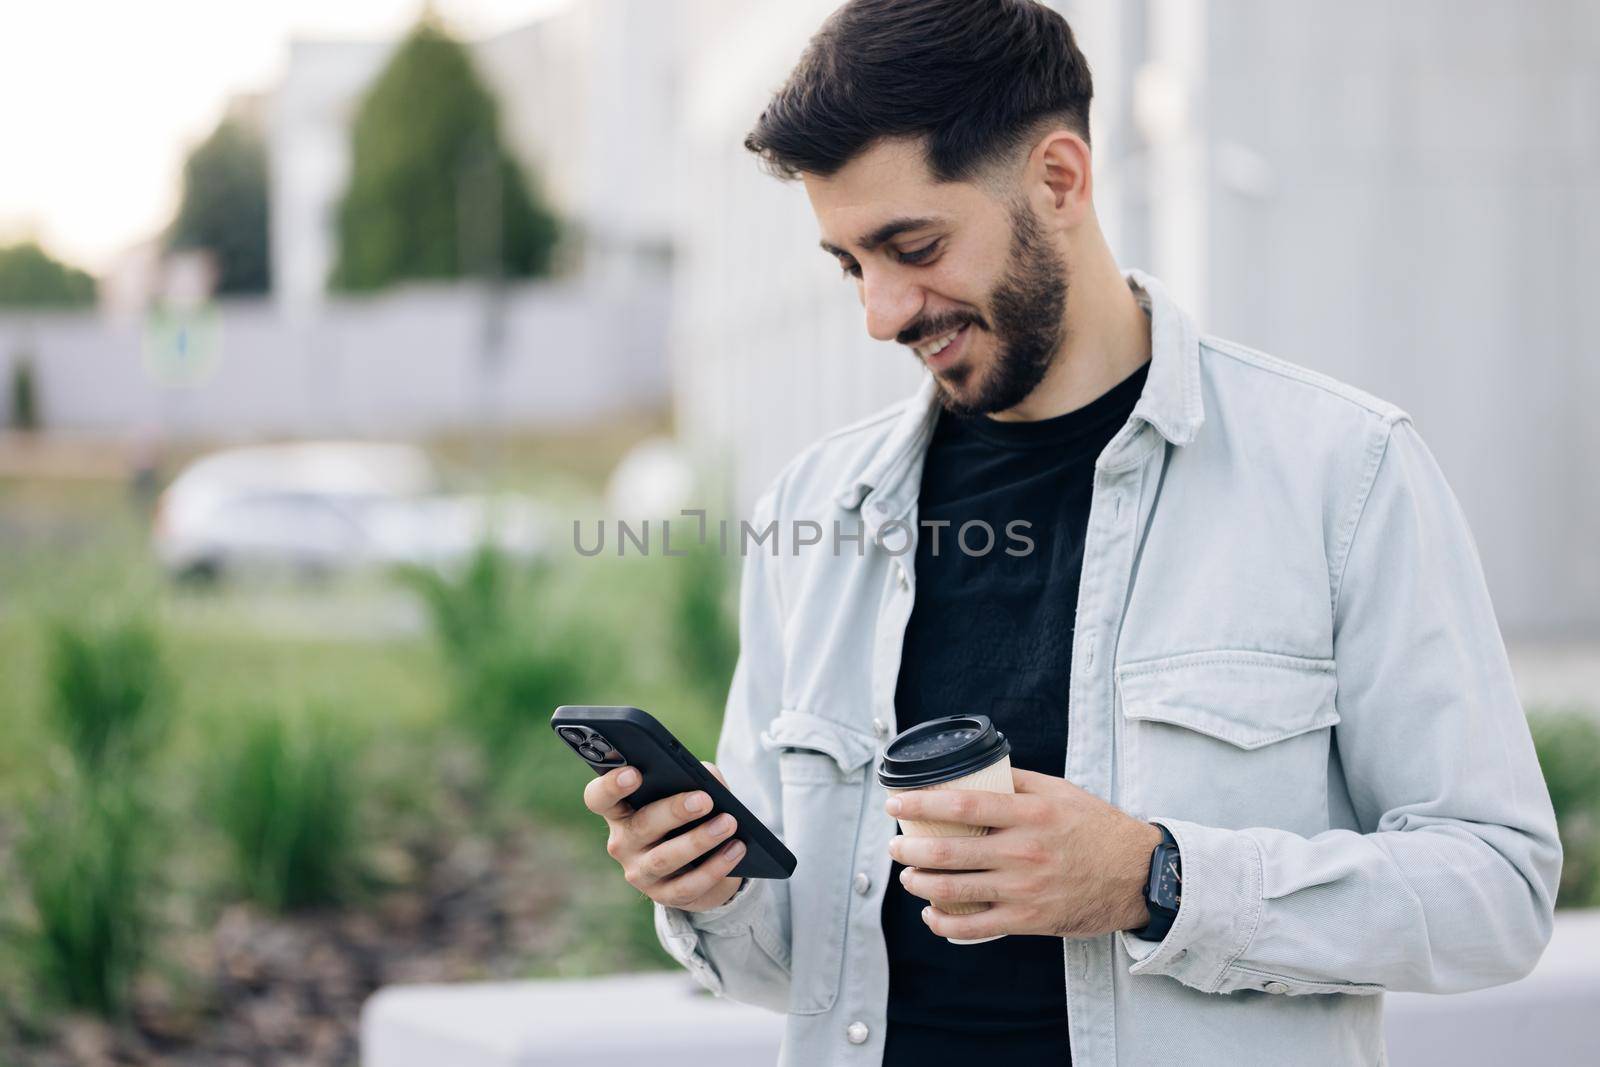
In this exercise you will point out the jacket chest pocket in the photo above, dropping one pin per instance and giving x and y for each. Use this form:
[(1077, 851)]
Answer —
[(823, 766), (1229, 738)]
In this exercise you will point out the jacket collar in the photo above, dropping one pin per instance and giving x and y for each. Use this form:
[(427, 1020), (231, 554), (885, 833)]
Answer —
[(1170, 402)]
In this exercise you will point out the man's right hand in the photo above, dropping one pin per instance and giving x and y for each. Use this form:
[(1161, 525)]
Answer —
[(653, 863)]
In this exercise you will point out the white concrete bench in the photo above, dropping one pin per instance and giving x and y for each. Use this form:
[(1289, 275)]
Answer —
[(597, 1022), (666, 1020)]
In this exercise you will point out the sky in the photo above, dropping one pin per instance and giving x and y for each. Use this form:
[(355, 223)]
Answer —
[(101, 99)]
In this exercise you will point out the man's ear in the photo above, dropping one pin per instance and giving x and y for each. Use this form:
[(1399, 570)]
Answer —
[(1059, 178)]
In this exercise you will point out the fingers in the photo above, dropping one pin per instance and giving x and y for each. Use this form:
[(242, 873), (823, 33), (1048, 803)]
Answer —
[(974, 887), (995, 920), (950, 853), (687, 890), (662, 861), (603, 796), (654, 821), (656, 865), (970, 807)]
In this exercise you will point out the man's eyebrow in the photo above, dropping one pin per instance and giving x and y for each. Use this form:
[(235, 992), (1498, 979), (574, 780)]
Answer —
[(892, 228)]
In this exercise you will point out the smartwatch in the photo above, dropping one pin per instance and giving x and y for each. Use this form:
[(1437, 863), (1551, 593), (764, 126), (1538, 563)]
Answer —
[(1162, 891)]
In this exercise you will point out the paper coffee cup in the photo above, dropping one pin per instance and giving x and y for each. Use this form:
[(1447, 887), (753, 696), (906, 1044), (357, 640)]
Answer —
[(955, 752)]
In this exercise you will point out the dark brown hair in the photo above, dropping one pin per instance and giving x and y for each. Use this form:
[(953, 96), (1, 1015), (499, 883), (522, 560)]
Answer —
[(978, 80)]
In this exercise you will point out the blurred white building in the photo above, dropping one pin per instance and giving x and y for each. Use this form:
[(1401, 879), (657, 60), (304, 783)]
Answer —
[(1405, 196)]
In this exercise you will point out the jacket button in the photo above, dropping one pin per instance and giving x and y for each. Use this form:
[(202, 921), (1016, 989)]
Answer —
[(856, 1032), (900, 576), (880, 727), (1277, 987), (862, 883)]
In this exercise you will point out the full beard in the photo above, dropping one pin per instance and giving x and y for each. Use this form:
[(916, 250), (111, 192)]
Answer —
[(1028, 324)]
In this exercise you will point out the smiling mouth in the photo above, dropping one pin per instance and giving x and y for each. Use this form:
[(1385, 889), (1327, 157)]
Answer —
[(942, 354), (938, 344)]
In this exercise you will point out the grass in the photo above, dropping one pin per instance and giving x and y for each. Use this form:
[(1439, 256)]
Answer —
[(285, 793), (84, 860), (106, 688), (85, 863), (520, 641)]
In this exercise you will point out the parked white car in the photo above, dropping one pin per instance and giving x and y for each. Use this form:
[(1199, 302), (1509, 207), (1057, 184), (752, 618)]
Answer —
[(319, 507)]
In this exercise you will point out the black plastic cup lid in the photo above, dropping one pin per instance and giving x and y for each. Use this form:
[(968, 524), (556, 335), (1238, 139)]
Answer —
[(941, 750)]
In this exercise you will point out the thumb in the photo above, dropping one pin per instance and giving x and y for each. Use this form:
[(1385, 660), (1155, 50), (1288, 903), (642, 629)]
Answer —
[(712, 767)]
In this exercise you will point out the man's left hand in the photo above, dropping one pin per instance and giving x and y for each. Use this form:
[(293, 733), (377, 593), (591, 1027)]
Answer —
[(1057, 860)]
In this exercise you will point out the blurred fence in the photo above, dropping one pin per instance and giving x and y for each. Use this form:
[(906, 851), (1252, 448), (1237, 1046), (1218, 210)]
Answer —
[(422, 359)]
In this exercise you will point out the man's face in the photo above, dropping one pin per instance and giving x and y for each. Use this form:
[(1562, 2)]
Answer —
[(964, 279)]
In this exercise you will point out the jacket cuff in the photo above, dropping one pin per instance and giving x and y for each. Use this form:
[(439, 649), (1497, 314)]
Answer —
[(730, 917), (1219, 906), (680, 930)]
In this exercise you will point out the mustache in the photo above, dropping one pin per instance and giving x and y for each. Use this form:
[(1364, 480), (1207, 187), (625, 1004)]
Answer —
[(925, 329)]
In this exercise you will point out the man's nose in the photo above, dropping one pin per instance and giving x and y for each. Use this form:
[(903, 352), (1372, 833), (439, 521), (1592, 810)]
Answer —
[(892, 303)]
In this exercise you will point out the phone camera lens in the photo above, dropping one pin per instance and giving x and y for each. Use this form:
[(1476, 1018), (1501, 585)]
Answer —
[(572, 735), (590, 753)]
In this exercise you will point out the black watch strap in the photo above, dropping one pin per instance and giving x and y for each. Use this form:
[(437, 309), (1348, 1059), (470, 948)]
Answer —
[(1163, 888)]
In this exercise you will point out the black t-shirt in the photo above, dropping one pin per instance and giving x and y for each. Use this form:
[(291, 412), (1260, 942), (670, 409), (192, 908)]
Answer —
[(991, 633)]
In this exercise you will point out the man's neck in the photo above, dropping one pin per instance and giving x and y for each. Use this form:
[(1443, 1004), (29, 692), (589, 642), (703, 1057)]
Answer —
[(1108, 338)]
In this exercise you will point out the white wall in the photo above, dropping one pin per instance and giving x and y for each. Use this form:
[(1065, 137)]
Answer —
[(1407, 196)]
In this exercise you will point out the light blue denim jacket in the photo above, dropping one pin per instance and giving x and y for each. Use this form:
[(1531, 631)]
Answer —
[(1285, 652)]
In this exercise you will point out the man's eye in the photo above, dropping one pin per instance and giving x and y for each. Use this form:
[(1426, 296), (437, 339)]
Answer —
[(920, 255), (851, 269)]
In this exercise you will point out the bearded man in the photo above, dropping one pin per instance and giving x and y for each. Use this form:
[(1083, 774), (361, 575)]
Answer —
[(1244, 645)]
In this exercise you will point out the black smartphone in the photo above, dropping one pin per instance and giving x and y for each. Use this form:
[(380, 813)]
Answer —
[(609, 737)]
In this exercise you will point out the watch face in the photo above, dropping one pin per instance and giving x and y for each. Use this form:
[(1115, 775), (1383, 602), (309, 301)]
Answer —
[(1168, 880)]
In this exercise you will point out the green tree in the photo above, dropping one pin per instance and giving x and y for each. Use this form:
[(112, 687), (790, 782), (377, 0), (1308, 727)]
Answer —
[(224, 206), (30, 278), (433, 192)]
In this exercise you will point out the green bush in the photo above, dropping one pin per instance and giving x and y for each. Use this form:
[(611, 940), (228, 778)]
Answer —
[(1568, 743), (85, 849), (84, 863), (24, 391), (106, 692), (520, 641), (285, 797)]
